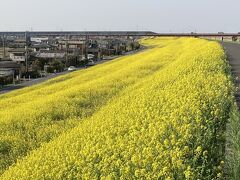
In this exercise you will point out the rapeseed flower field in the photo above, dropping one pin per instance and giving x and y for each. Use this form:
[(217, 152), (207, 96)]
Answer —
[(158, 114)]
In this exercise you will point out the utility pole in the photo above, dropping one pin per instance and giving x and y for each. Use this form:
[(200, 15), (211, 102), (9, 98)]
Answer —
[(86, 48), (13, 77), (26, 51), (82, 53), (67, 47), (4, 51)]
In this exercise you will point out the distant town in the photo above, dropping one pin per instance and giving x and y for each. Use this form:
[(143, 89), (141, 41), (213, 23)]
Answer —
[(25, 55), (32, 55)]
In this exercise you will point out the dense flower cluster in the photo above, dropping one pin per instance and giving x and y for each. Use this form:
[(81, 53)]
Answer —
[(35, 115), (158, 114)]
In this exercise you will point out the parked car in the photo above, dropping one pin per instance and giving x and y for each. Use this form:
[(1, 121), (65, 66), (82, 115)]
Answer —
[(90, 56), (72, 68), (90, 63)]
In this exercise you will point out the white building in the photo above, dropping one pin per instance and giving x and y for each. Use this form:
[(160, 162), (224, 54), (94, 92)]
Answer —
[(39, 39), (17, 55), (51, 54)]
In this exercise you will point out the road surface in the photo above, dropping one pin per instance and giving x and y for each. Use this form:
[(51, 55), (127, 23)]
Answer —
[(233, 54), (12, 87), (27, 83)]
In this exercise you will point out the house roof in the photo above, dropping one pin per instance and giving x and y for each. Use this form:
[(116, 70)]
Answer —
[(9, 64), (17, 50), (42, 45), (52, 51), (71, 42), (5, 72)]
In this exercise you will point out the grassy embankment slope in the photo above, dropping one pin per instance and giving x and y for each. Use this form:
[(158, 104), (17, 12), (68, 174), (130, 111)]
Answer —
[(159, 114), (35, 115)]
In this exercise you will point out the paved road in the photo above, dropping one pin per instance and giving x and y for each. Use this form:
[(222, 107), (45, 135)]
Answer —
[(11, 87), (233, 53), (32, 82)]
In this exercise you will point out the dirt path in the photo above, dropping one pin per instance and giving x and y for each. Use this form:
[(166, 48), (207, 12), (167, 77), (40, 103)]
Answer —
[(233, 54)]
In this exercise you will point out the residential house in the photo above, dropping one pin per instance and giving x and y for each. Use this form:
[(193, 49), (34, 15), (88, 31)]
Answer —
[(18, 55), (51, 54)]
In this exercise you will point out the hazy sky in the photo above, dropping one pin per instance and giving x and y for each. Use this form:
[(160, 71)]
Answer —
[(154, 15)]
